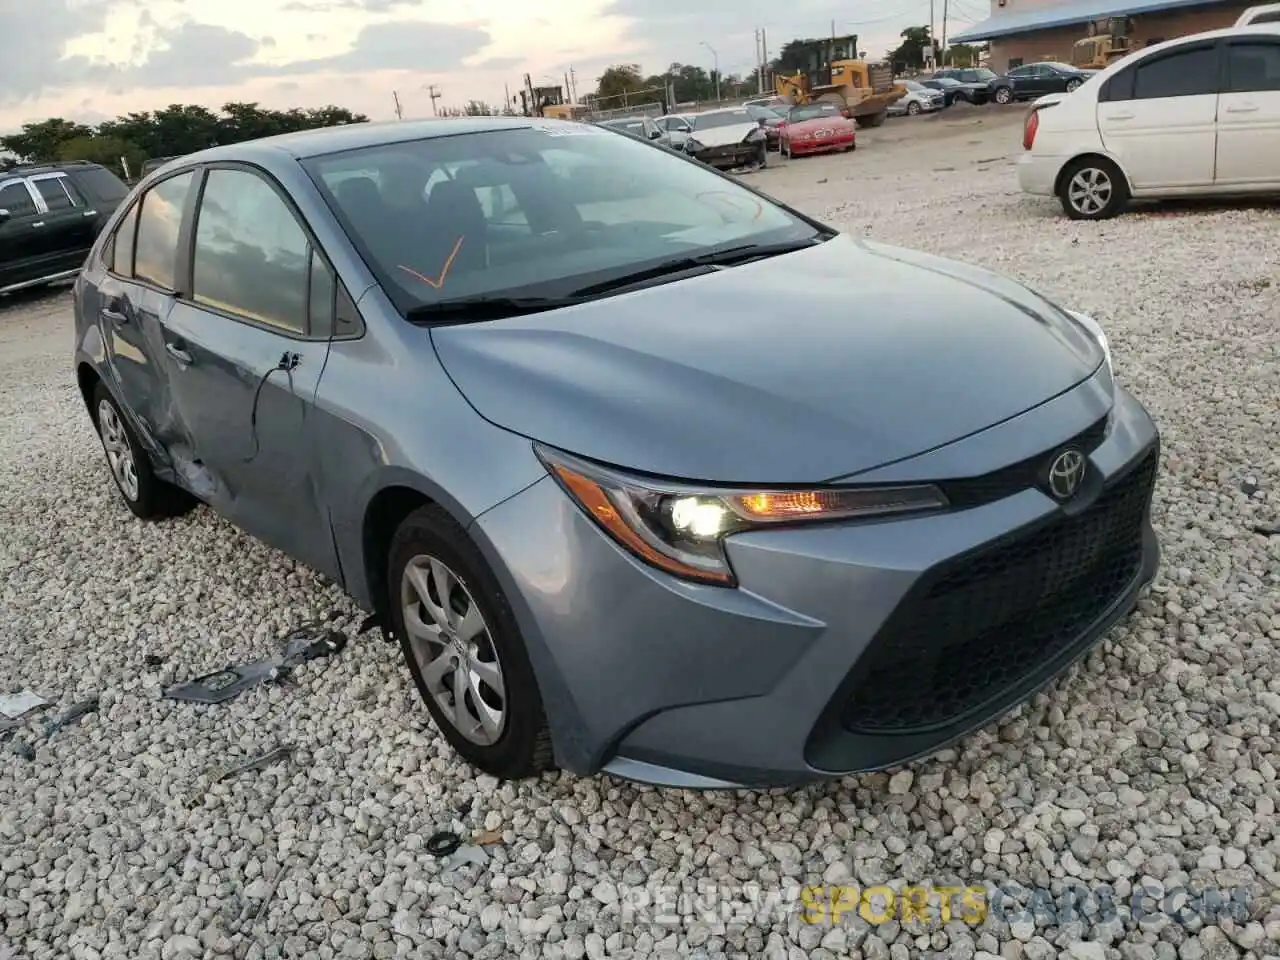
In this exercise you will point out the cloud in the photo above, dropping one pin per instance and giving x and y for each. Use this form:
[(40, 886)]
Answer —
[(196, 55), (364, 6), (397, 45), (500, 63), (33, 40)]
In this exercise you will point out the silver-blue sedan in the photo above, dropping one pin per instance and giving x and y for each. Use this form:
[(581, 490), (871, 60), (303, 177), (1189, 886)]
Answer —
[(603, 440)]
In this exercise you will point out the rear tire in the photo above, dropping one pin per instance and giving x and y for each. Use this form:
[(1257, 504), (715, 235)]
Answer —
[(1092, 188), (913, 109), (434, 565), (145, 494)]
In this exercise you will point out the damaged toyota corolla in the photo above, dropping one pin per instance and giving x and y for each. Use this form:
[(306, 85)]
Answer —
[(521, 387)]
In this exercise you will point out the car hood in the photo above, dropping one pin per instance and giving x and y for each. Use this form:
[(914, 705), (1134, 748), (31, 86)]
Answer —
[(818, 123), (801, 368), (723, 136)]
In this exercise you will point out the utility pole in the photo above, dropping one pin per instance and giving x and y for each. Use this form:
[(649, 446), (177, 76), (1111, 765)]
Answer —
[(932, 53), (506, 104), (944, 32), (715, 60), (396, 97), (573, 84), (435, 95), (764, 57)]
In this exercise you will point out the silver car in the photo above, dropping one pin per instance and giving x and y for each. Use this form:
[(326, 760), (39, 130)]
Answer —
[(596, 434)]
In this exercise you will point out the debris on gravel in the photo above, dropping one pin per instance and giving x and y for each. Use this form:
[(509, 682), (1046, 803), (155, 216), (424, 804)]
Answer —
[(1126, 813)]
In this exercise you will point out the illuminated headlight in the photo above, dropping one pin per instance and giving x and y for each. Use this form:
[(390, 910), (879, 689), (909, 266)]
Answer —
[(1098, 334), (681, 528)]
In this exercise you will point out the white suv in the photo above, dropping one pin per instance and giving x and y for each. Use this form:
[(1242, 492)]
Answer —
[(1267, 13), (1199, 115)]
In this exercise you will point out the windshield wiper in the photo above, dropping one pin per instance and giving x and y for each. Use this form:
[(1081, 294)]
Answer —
[(475, 309), (729, 256)]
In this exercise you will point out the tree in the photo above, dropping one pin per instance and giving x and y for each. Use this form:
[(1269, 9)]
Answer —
[(910, 53), (478, 108), (964, 54), (41, 141), (620, 79), (177, 129)]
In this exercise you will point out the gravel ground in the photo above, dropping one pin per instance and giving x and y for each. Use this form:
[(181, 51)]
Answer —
[(1152, 764)]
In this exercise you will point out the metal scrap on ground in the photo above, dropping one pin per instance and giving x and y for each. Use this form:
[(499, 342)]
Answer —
[(308, 642)]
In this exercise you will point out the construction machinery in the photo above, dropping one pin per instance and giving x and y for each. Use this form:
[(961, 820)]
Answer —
[(835, 73), (550, 102), (1107, 40)]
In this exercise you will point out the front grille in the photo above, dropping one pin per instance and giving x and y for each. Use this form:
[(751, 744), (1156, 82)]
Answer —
[(980, 624), (1005, 482)]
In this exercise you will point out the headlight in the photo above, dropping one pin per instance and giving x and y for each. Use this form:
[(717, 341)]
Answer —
[(693, 146), (681, 528), (1093, 327)]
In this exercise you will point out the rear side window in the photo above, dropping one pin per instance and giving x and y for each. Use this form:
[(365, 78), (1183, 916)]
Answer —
[(16, 200), (1187, 73), (1253, 67), (55, 198), (252, 257), (159, 223)]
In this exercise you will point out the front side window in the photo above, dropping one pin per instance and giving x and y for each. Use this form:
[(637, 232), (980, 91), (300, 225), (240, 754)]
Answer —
[(15, 198), (1188, 73), (533, 212), (251, 256), (1253, 67), (813, 111), (1020, 72), (159, 223)]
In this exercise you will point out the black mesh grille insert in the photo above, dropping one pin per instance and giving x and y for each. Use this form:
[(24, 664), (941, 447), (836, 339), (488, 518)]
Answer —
[(982, 623), (1015, 478)]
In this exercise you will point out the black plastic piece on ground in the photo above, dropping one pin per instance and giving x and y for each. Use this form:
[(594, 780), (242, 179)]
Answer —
[(444, 843), (308, 642)]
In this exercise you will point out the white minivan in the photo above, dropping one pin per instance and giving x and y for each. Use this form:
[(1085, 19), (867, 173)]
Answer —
[(1267, 13), (1199, 115)]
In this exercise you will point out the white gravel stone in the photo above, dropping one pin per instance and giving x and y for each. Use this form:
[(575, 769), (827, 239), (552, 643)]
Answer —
[(1153, 761)]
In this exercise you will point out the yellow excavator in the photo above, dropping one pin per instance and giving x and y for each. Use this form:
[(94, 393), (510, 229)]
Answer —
[(836, 74), (1108, 40)]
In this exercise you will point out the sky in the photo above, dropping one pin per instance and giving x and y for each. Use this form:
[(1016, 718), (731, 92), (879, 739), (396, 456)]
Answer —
[(90, 60)]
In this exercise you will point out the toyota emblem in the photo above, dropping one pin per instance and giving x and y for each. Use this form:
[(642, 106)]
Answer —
[(1066, 473)]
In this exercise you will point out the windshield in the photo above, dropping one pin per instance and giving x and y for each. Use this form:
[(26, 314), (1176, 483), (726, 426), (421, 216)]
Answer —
[(631, 126), (536, 211), (811, 111), (721, 118), (761, 113), (946, 81), (913, 86), (976, 76), (1060, 67)]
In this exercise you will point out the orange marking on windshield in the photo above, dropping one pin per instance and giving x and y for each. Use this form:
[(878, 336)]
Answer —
[(438, 282)]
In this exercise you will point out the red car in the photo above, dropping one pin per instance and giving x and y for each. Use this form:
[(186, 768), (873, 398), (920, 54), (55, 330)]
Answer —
[(816, 128)]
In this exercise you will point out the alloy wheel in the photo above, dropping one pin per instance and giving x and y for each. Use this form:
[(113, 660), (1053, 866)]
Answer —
[(1090, 190), (1004, 95), (1072, 85), (913, 108), (454, 649), (119, 452)]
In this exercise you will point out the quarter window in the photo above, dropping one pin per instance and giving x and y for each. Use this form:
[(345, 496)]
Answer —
[(15, 199), (252, 258), (122, 244), (1189, 73), (159, 223), (1253, 67)]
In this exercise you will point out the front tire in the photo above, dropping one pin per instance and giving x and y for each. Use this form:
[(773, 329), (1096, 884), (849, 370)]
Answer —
[(1004, 96), (146, 495), (1073, 85), (1093, 188), (463, 648), (913, 109)]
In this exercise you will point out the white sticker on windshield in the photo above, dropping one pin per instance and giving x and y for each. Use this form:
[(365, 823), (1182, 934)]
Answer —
[(570, 129)]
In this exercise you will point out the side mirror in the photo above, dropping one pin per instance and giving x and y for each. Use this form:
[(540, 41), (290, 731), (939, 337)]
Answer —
[(4, 216), (655, 134)]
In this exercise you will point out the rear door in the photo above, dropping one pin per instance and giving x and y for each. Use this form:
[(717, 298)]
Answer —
[(1249, 114), (133, 300), (23, 250), (1159, 117), (70, 223), (244, 350)]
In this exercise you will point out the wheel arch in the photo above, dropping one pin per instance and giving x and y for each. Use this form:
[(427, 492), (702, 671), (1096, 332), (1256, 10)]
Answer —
[(1085, 155), (87, 378)]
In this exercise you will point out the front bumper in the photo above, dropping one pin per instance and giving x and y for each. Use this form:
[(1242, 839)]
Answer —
[(830, 145), (732, 155), (848, 647)]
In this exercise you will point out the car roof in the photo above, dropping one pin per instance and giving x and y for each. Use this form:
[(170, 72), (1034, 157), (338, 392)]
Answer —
[(1250, 30), (353, 136), (35, 169)]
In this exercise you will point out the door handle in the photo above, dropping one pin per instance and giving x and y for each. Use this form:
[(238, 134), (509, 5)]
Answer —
[(1249, 108), (38, 223), (113, 311), (179, 354), (1120, 116)]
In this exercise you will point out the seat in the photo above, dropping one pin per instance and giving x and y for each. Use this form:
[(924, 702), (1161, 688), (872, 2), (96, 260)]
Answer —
[(452, 212)]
